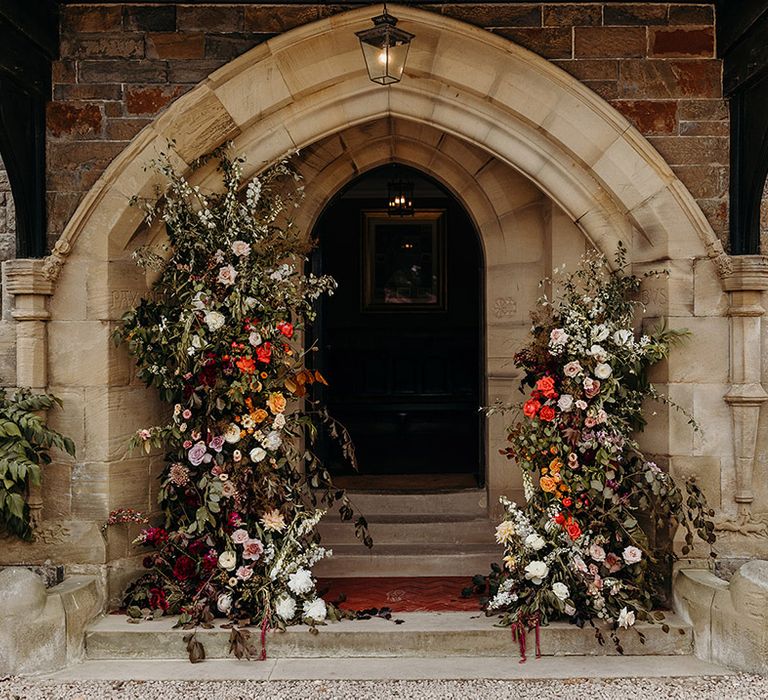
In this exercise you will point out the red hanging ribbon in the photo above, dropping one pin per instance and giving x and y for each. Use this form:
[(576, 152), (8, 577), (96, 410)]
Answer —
[(518, 635), (538, 640), (264, 629)]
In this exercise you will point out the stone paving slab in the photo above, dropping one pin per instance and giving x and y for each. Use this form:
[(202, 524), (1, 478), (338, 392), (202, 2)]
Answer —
[(422, 634)]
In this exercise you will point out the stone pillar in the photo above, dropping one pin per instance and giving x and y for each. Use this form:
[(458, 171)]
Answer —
[(746, 282), (30, 287)]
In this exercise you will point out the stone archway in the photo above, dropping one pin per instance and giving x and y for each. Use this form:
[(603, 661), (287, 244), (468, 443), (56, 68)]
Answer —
[(477, 91)]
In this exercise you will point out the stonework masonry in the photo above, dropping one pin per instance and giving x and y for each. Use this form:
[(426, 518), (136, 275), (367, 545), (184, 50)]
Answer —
[(121, 65)]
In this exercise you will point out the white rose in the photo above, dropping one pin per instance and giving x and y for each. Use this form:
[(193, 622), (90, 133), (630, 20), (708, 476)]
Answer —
[(214, 320), (560, 590), (623, 337), (286, 608), (227, 560), (581, 404), (232, 434), (632, 555), (534, 542), (602, 370), (197, 302), (536, 572), (315, 610), (626, 618), (272, 441), (572, 368), (241, 248), (224, 602), (565, 402), (257, 454), (254, 339), (301, 582), (279, 422), (250, 302), (227, 275)]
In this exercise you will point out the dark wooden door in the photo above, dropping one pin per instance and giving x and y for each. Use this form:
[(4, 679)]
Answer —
[(402, 357)]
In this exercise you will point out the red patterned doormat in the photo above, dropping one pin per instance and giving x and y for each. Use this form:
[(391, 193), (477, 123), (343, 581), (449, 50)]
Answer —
[(400, 594)]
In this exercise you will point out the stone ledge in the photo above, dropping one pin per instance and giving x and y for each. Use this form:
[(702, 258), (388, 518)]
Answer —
[(730, 620)]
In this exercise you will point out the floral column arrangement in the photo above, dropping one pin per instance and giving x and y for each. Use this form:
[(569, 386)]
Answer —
[(218, 340), (588, 543)]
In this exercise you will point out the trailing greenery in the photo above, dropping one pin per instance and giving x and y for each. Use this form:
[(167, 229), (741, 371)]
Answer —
[(25, 441)]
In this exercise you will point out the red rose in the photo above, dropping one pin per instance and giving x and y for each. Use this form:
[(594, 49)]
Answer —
[(531, 408), (285, 328), (547, 413), (567, 502), (559, 518), (573, 530), (184, 568), (264, 352)]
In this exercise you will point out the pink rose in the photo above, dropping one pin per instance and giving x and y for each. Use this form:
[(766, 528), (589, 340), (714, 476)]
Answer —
[(632, 554), (241, 249), (197, 454), (240, 536), (252, 549), (597, 552), (216, 443), (612, 562), (572, 369), (591, 387), (244, 573), (590, 422), (187, 444), (227, 275)]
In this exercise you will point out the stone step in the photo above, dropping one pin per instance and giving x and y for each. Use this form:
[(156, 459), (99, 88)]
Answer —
[(408, 560), (426, 635), (411, 529), (469, 502)]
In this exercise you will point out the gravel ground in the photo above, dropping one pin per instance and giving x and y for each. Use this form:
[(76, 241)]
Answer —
[(707, 688)]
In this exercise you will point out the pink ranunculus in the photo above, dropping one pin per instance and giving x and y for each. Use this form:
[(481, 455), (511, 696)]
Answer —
[(216, 443), (197, 453), (252, 549), (572, 368), (590, 422), (240, 536)]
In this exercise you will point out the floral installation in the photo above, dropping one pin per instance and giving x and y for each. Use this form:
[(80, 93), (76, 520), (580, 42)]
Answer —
[(242, 491), (592, 541)]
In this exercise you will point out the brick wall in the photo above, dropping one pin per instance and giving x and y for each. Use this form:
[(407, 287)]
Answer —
[(122, 65)]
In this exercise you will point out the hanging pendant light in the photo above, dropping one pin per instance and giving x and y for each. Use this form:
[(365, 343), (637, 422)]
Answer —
[(385, 48), (400, 198)]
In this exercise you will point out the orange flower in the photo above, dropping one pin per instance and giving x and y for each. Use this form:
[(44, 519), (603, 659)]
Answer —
[(259, 415), (531, 407), (246, 365), (556, 465), (547, 484), (276, 402)]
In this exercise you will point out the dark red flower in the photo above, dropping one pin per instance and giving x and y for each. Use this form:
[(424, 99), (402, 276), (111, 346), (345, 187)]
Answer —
[(210, 560), (197, 547), (559, 518), (156, 536), (567, 502), (157, 599), (184, 568)]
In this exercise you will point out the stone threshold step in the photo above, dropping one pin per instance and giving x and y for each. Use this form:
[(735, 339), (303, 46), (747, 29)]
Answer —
[(394, 531), (354, 560), (422, 634), (367, 668), (470, 502)]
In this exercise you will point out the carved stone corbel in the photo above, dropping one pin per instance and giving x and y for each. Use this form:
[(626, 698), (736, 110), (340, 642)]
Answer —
[(746, 282), (27, 282)]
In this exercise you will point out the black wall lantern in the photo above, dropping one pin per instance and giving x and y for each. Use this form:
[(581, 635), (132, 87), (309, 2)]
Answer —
[(385, 48), (400, 198)]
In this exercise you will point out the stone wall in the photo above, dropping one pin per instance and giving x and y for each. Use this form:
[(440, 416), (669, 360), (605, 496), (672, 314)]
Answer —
[(764, 222), (121, 65)]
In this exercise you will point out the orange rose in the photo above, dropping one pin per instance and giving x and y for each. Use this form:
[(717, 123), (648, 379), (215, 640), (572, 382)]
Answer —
[(246, 365), (276, 403), (573, 530), (546, 385), (259, 415), (547, 413), (547, 484), (556, 465)]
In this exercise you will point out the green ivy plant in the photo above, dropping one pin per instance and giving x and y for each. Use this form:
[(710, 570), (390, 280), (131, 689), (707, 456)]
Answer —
[(25, 442)]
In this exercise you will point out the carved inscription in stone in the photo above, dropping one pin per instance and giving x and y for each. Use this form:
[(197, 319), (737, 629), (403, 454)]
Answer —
[(505, 307)]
